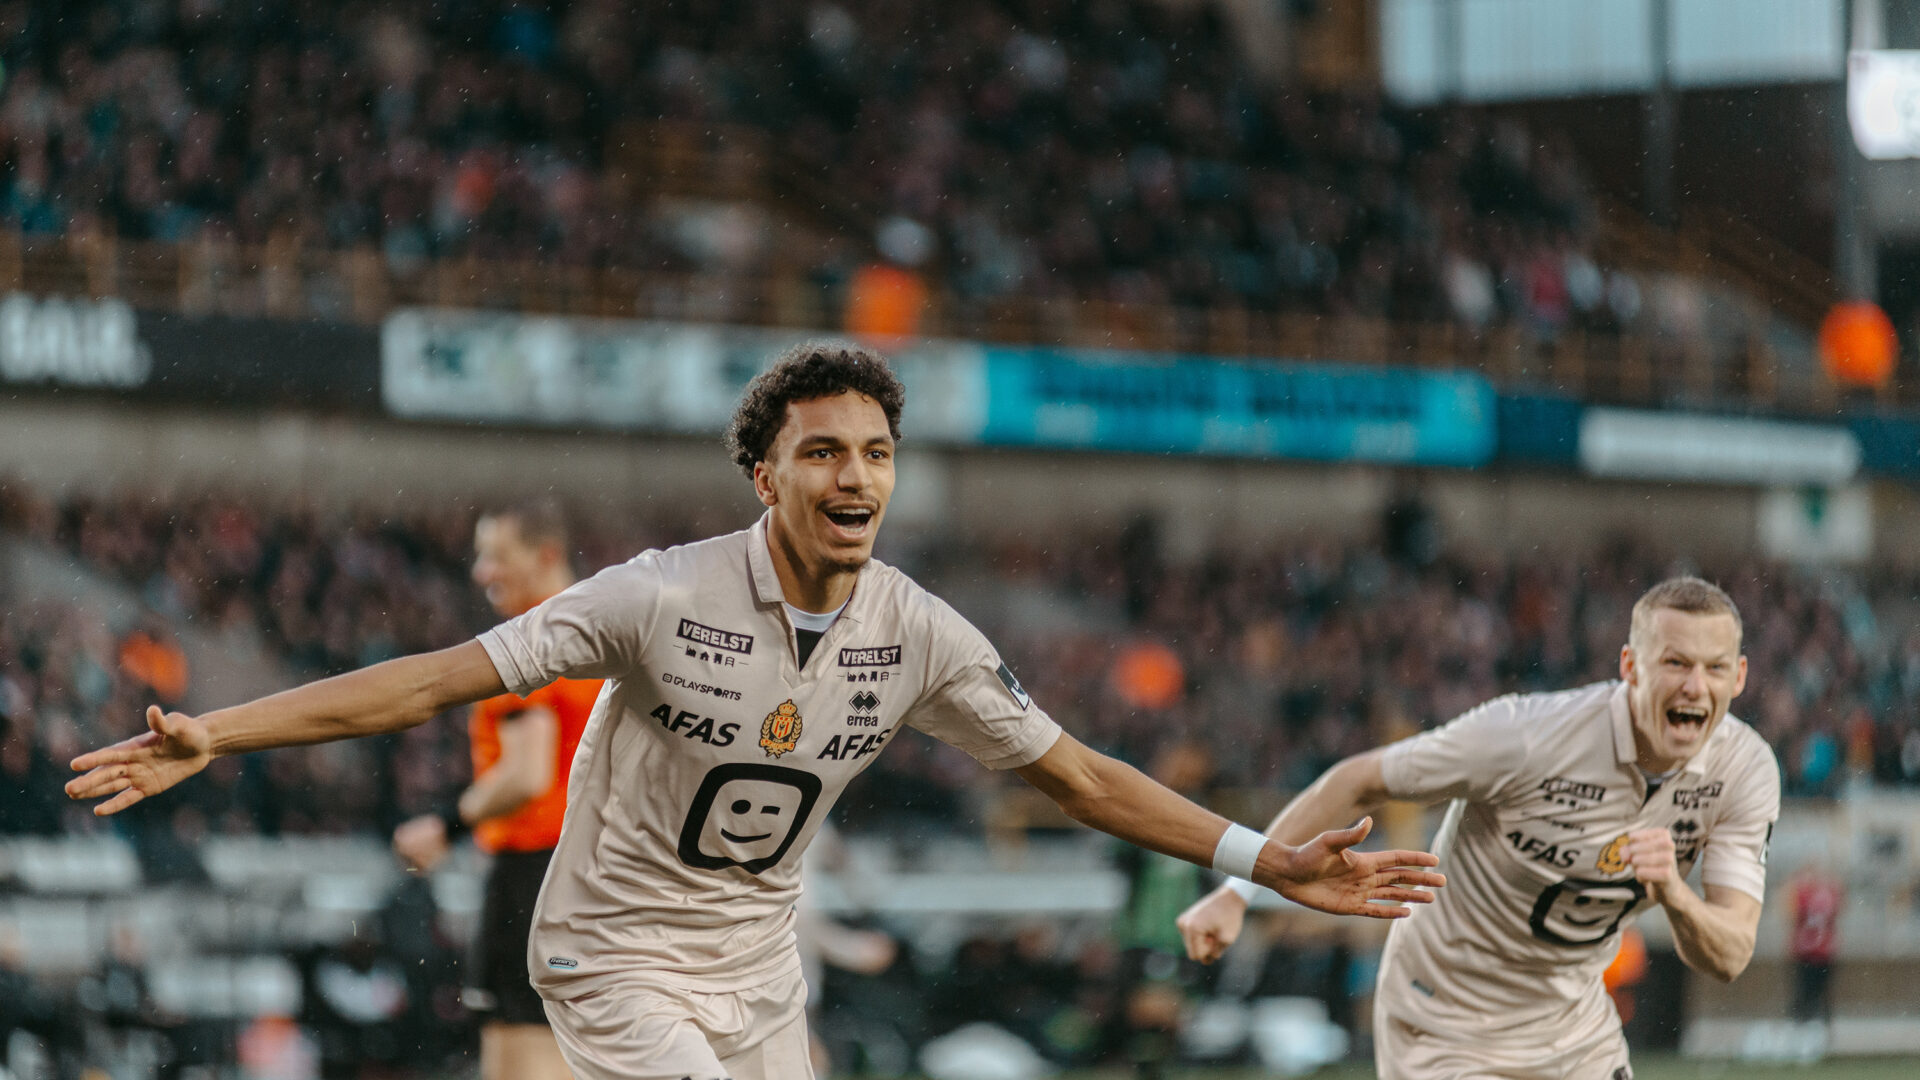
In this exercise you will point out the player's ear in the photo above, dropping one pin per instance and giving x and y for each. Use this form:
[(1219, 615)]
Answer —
[(1626, 663), (763, 483), (1740, 676)]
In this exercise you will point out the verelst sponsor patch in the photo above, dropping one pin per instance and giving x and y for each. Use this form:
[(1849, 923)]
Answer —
[(879, 656), (702, 634)]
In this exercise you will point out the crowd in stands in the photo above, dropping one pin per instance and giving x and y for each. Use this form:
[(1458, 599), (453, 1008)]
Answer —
[(1241, 669), (1118, 150), (1278, 661)]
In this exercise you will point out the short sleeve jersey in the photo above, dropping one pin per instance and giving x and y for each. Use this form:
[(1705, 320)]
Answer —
[(535, 825), (1538, 889), (712, 757)]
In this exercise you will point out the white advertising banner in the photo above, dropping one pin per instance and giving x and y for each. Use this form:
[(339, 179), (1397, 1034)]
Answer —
[(1640, 445), (637, 376)]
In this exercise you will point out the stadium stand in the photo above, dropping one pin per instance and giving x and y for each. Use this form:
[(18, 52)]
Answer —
[(316, 164), (1294, 656), (1276, 662)]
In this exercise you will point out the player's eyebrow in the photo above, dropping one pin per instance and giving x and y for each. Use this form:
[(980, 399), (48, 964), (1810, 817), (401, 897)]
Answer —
[(1724, 658), (808, 442), (820, 439)]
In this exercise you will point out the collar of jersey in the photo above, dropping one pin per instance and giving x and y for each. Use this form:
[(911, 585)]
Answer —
[(1623, 747), (766, 583)]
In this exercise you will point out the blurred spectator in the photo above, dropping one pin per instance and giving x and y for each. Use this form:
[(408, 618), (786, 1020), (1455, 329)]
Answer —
[(155, 660), (27, 1008), (117, 998), (1817, 899), (1156, 975), (356, 1001), (886, 300), (276, 1048)]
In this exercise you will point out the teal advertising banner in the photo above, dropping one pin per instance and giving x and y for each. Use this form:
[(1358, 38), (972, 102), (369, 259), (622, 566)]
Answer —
[(1140, 403)]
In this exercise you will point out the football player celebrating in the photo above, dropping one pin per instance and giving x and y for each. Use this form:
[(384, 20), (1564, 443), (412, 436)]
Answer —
[(1582, 809), (750, 676)]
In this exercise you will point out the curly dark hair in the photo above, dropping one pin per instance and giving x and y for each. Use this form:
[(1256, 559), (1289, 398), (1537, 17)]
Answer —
[(813, 369)]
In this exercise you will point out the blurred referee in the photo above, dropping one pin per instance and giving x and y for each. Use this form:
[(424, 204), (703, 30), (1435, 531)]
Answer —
[(522, 754)]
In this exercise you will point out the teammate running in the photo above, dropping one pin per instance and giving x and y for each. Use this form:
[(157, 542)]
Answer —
[(751, 676), (522, 752), (1581, 808)]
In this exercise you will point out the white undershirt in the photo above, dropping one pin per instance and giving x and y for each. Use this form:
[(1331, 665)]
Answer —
[(814, 621)]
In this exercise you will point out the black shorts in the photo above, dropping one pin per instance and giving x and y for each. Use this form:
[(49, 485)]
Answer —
[(497, 987)]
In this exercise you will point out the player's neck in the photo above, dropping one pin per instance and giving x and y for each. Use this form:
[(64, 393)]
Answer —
[(815, 588)]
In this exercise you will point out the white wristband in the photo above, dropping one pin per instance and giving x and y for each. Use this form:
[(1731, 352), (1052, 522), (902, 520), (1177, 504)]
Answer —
[(1238, 850), (1243, 889)]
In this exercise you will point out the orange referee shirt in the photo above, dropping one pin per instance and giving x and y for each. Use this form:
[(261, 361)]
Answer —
[(536, 825)]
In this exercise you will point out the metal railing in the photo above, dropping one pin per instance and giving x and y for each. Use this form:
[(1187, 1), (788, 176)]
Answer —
[(282, 280)]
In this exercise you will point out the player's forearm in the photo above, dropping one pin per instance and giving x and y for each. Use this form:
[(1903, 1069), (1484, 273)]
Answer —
[(497, 793), (386, 697), (1709, 939), (1343, 795), (522, 773), (1123, 802)]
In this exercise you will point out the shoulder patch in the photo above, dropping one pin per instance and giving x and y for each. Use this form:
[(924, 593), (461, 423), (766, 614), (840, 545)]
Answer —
[(1013, 685)]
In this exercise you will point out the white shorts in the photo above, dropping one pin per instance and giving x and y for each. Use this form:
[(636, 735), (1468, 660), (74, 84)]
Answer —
[(1402, 1051), (641, 1030)]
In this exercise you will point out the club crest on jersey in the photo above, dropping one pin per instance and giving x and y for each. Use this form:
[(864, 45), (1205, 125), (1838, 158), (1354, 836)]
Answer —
[(1613, 857), (780, 731)]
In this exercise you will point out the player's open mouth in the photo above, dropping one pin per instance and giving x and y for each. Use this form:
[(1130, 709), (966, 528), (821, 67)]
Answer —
[(851, 522), (730, 838), (1687, 716)]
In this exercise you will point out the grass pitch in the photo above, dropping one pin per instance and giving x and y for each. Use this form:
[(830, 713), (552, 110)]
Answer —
[(1645, 1067)]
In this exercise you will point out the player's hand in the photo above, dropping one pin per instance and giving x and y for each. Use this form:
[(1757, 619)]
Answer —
[(1212, 924), (1326, 875), (174, 747), (422, 841), (1650, 853)]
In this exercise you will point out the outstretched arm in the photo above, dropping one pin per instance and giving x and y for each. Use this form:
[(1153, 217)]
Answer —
[(1343, 794), (1320, 872), (383, 698)]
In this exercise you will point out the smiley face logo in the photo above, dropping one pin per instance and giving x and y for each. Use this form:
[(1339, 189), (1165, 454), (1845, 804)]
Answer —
[(1579, 912), (780, 731), (747, 815)]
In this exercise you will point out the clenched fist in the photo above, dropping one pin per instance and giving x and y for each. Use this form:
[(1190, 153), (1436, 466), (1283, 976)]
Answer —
[(1650, 853)]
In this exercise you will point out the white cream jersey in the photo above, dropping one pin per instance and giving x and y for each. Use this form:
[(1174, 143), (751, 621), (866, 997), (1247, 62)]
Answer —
[(712, 757), (1537, 888)]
